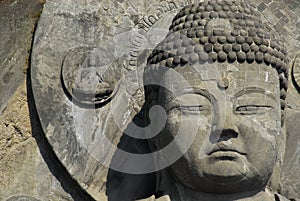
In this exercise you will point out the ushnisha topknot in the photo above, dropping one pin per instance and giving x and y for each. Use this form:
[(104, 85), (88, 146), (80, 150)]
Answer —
[(221, 31)]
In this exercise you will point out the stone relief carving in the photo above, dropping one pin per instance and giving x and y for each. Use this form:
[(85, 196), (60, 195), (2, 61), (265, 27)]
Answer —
[(238, 111), (87, 80), (231, 62)]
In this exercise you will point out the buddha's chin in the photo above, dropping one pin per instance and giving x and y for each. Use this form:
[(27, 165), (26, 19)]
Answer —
[(227, 176), (224, 179), (224, 183), (226, 171)]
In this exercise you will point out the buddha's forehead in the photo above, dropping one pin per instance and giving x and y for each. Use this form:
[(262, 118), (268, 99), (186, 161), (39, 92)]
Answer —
[(217, 76)]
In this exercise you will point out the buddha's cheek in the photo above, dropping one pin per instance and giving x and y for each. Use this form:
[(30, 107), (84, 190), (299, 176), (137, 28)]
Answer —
[(192, 138), (192, 130), (171, 128), (259, 137)]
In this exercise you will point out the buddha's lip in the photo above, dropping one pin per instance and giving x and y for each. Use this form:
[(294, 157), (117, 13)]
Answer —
[(225, 148)]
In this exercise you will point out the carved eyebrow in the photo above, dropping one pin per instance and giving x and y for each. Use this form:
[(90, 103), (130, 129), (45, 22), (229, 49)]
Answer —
[(249, 90), (191, 90), (198, 91)]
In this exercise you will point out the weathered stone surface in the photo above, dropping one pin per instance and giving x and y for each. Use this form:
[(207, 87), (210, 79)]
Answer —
[(23, 170), (290, 172), (190, 166), (285, 21), (290, 169), (64, 27), (22, 198), (17, 22), (108, 29), (111, 34)]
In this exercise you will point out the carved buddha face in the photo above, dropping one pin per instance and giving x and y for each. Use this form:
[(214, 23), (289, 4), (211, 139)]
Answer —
[(236, 110)]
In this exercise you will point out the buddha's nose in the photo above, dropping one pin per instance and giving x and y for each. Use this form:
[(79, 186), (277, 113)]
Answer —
[(227, 134), (225, 126)]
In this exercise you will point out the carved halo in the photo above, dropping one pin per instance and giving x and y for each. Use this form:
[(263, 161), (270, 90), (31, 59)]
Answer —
[(84, 79), (296, 72)]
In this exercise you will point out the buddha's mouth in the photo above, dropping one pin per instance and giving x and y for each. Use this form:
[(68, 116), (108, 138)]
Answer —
[(226, 155), (224, 151)]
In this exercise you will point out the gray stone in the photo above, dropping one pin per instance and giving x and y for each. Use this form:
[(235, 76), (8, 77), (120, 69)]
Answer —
[(111, 39), (295, 74), (197, 175), (290, 169), (261, 7), (79, 44), (24, 170), (22, 198), (267, 1), (278, 13), (20, 159), (15, 42), (290, 174)]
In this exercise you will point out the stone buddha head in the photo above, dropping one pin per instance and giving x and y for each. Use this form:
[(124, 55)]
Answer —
[(222, 77)]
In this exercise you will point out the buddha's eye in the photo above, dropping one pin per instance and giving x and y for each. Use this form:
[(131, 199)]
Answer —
[(196, 109), (190, 104), (188, 110), (252, 109)]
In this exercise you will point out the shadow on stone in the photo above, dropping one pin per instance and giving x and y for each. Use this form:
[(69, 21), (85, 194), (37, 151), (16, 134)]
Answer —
[(130, 186), (55, 166), (294, 81)]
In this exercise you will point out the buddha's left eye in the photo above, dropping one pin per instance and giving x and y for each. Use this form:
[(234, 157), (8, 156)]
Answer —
[(194, 108), (190, 104), (252, 109)]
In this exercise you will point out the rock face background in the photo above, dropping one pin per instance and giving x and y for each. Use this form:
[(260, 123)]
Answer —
[(29, 167), (24, 172)]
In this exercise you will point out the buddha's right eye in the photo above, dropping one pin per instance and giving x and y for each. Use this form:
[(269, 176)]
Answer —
[(252, 109), (194, 108), (254, 103), (189, 110), (191, 104)]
